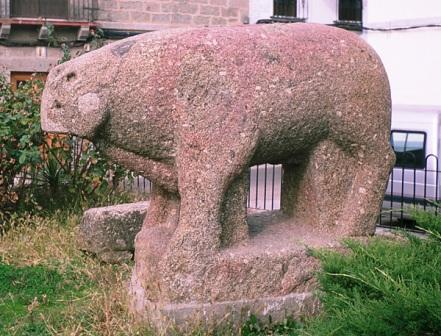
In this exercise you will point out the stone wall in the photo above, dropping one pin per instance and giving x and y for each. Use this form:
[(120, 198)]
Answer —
[(122, 16), (162, 14)]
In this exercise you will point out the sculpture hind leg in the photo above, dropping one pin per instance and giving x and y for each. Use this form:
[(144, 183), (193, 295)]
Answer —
[(337, 191), (363, 201), (314, 191), (295, 196)]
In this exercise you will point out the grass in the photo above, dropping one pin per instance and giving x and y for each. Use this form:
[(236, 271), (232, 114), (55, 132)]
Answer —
[(255, 327), (384, 287), (49, 287), (379, 286)]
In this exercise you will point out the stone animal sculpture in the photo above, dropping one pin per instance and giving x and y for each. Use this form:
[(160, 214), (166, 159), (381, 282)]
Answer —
[(192, 109)]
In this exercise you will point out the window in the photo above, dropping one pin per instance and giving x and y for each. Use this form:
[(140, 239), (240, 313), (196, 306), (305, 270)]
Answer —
[(20, 77), (285, 8), (54, 9), (349, 10), (409, 148)]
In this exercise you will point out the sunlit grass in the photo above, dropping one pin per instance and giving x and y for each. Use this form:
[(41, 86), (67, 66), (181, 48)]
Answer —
[(49, 287)]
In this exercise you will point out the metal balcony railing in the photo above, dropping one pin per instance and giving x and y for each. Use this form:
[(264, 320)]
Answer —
[(72, 10)]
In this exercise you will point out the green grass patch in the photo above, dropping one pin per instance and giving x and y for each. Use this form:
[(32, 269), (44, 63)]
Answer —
[(49, 287), (381, 286), (29, 292)]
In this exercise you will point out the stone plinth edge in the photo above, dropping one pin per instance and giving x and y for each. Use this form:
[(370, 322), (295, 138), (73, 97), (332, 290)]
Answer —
[(169, 318)]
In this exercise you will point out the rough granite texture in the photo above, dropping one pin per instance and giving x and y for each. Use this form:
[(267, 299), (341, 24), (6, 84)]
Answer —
[(109, 232), (183, 319), (192, 109)]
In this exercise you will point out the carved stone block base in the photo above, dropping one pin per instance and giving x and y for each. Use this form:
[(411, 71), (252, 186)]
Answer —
[(172, 318), (271, 276)]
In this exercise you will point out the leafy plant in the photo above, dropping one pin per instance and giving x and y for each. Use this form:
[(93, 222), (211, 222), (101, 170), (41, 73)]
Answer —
[(73, 171), (39, 170), (20, 138)]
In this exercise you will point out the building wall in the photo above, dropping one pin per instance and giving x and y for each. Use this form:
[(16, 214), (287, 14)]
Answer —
[(29, 59), (20, 52), (399, 10), (412, 61), (317, 11), (260, 9), (411, 57), (163, 14), (322, 11)]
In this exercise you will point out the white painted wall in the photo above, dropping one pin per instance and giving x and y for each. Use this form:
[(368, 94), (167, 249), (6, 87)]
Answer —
[(378, 11), (260, 9), (318, 11), (412, 59), (322, 11)]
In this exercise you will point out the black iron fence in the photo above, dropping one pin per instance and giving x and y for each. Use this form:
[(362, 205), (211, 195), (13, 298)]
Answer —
[(411, 188), (74, 10), (264, 192), (408, 188)]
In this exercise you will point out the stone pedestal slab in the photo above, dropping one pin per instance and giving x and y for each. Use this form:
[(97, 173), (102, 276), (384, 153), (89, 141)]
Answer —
[(271, 274)]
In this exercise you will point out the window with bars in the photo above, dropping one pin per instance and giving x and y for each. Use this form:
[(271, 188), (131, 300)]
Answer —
[(350, 10), (286, 8)]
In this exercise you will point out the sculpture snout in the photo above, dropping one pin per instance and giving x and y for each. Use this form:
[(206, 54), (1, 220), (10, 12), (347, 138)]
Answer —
[(50, 108)]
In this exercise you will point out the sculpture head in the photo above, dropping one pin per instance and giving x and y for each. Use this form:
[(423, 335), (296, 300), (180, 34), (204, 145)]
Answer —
[(76, 95)]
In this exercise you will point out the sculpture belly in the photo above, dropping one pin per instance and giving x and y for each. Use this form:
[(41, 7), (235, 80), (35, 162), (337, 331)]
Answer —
[(144, 139), (291, 129), (286, 147)]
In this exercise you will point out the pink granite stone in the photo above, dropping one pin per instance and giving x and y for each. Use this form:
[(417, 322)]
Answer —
[(193, 109)]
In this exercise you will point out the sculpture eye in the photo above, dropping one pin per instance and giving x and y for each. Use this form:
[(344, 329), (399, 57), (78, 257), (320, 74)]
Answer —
[(70, 76)]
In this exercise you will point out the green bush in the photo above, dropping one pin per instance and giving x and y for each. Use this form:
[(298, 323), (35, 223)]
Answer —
[(37, 171), (382, 288), (20, 137)]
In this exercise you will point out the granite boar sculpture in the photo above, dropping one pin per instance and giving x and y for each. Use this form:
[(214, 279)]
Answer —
[(192, 109)]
